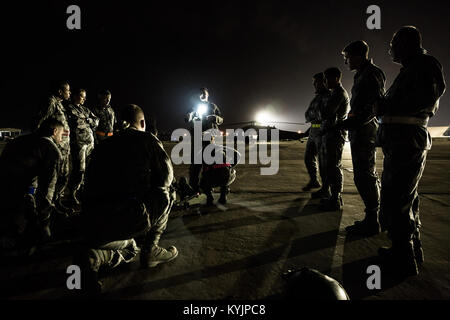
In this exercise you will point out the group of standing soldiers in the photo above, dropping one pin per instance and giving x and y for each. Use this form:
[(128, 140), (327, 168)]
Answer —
[(396, 121), (83, 128)]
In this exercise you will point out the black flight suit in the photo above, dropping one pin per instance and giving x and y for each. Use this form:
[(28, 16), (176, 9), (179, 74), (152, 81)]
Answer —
[(409, 103), (127, 193), (367, 92)]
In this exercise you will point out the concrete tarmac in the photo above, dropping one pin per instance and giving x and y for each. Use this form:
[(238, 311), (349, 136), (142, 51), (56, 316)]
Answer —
[(239, 251)]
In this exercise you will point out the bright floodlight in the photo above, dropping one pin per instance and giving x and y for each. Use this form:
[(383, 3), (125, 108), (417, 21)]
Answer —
[(201, 109), (263, 117)]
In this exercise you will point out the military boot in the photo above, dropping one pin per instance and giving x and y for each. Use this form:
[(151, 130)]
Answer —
[(223, 195), (418, 251), (155, 255), (321, 193), (369, 226), (400, 258), (90, 261), (312, 184), (333, 204)]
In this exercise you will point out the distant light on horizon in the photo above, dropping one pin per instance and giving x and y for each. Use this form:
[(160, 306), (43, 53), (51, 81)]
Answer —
[(264, 117)]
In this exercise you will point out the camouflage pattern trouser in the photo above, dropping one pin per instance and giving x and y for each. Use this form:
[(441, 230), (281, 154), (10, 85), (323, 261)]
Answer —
[(399, 212), (365, 175), (313, 158), (332, 148), (112, 254), (80, 156), (63, 174)]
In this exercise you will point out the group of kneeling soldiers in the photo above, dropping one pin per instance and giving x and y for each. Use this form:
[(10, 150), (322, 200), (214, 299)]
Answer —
[(129, 189)]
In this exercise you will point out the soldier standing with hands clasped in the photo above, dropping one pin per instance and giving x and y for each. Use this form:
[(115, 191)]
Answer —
[(362, 125)]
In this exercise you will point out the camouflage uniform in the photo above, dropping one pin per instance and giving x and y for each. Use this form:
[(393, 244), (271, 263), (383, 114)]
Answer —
[(55, 109), (83, 124), (312, 152), (411, 100), (367, 91), (127, 192), (24, 160), (107, 122), (332, 113), (207, 124)]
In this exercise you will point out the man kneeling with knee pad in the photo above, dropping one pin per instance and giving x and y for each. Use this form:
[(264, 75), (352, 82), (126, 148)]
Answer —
[(127, 193), (219, 174)]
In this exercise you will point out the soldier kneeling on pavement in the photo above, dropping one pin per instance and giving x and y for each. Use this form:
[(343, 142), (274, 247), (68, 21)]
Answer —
[(127, 193), (219, 174), (26, 210)]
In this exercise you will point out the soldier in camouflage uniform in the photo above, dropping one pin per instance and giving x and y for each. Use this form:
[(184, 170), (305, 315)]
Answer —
[(25, 210), (314, 143), (127, 192), (106, 115), (83, 124), (333, 112), (409, 103), (55, 109), (367, 91)]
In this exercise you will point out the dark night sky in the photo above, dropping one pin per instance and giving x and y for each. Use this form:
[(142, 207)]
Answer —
[(250, 54)]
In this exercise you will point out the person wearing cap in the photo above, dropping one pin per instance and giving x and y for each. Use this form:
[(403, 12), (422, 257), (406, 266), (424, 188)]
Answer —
[(106, 115), (409, 103), (313, 158), (362, 125)]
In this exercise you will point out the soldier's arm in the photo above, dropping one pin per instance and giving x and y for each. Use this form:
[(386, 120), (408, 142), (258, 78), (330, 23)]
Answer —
[(93, 120), (310, 113), (218, 114), (432, 87), (47, 176), (161, 178), (426, 88), (367, 101), (45, 113), (161, 165), (329, 109)]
